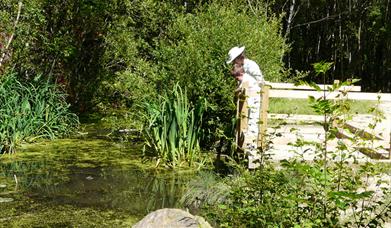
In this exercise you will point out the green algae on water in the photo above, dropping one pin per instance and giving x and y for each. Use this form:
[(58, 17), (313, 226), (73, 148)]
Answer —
[(25, 212), (83, 183)]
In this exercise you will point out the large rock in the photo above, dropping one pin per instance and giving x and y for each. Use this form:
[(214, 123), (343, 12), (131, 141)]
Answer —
[(171, 218)]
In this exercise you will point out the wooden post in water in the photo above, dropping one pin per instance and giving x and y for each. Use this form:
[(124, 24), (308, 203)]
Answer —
[(263, 116)]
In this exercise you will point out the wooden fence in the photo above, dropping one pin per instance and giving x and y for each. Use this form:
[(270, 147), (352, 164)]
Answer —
[(288, 90)]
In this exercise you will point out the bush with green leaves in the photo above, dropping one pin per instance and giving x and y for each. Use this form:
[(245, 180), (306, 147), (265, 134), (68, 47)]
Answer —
[(71, 41), (195, 51), (32, 110), (189, 46), (293, 195)]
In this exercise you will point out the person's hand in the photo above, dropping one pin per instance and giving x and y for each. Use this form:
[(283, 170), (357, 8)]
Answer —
[(239, 90)]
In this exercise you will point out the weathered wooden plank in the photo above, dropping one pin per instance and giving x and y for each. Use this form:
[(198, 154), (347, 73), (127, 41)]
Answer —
[(275, 85), (296, 94), (242, 118), (263, 117)]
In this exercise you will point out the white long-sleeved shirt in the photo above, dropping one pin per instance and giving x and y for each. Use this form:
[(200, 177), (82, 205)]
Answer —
[(252, 68), (252, 83)]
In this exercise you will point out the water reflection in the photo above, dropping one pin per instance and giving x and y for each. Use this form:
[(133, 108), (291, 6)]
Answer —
[(33, 174), (128, 189), (59, 179)]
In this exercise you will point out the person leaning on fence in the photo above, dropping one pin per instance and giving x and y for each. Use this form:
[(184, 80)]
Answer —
[(237, 56), (249, 85)]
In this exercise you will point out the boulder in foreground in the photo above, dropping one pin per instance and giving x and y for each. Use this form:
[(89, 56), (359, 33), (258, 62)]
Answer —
[(173, 218)]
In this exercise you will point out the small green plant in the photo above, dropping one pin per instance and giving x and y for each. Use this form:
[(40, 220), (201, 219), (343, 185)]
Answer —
[(206, 189), (173, 129), (30, 111), (339, 182)]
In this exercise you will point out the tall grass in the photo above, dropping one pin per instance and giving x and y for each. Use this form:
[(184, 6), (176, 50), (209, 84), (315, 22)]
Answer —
[(173, 130), (29, 111)]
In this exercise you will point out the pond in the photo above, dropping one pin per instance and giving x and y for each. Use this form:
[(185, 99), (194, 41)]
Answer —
[(83, 183)]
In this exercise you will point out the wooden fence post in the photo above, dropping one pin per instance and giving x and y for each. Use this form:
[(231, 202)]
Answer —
[(242, 118), (389, 149), (263, 116)]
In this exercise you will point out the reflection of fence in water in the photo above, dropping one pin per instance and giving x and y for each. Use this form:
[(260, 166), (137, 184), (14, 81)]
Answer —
[(33, 174)]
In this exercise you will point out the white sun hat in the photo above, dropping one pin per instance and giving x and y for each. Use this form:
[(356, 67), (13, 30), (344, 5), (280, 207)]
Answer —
[(233, 53)]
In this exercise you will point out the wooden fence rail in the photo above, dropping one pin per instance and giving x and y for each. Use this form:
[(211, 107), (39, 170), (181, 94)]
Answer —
[(288, 90)]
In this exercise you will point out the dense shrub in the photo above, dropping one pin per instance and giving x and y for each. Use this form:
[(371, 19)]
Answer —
[(188, 45), (131, 76), (195, 52), (294, 195), (63, 39)]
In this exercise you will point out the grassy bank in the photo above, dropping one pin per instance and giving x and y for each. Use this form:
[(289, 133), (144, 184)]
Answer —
[(302, 106)]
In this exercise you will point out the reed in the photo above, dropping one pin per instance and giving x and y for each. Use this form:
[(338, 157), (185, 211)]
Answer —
[(173, 129), (32, 110)]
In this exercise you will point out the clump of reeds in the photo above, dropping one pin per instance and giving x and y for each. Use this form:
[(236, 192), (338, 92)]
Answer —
[(173, 130), (32, 110)]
